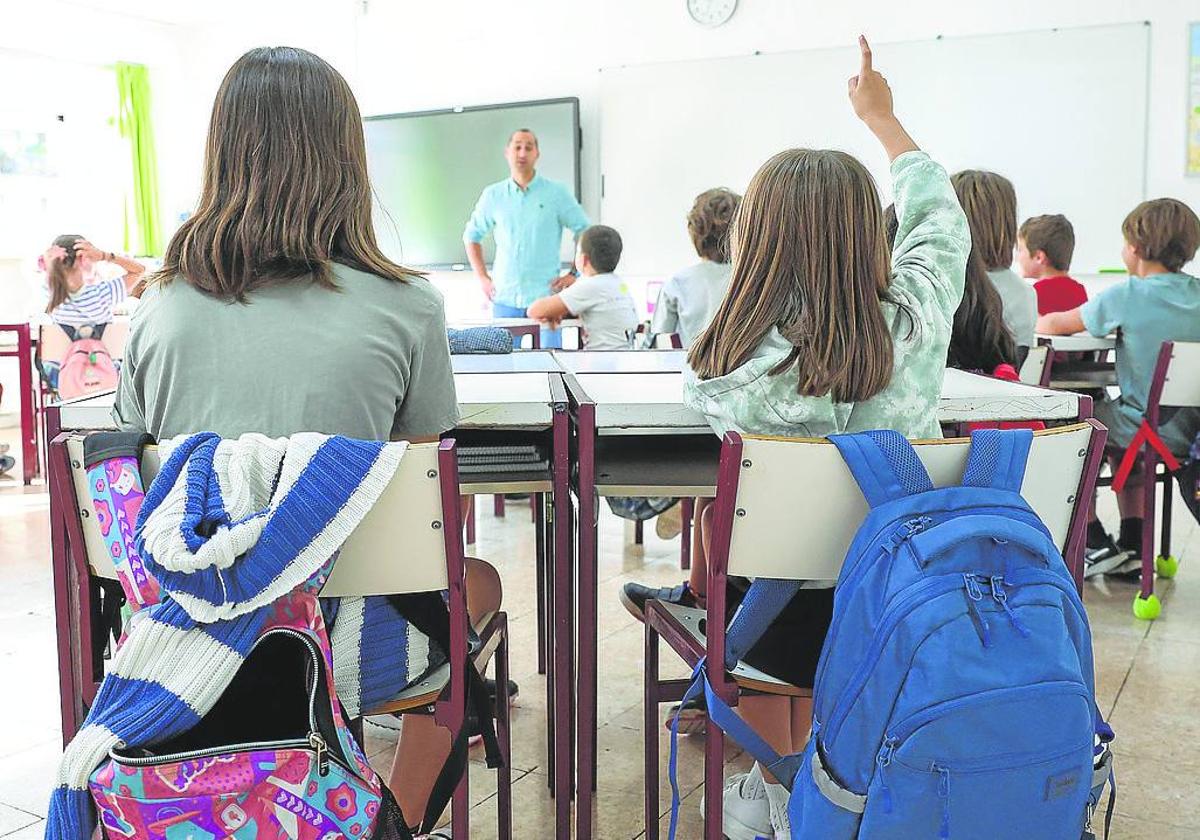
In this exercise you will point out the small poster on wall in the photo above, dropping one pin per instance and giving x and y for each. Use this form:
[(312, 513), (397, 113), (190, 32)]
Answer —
[(1193, 156)]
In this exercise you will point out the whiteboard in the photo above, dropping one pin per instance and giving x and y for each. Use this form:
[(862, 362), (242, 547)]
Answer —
[(1059, 112)]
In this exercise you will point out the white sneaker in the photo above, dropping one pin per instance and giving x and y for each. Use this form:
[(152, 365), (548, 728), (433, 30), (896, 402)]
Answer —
[(777, 797), (746, 814)]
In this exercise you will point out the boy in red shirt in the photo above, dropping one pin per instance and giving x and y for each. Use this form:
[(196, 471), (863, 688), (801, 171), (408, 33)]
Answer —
[(1044, 248)]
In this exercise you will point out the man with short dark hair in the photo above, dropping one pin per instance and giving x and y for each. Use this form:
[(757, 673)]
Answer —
[(527, 213), (599, 297)]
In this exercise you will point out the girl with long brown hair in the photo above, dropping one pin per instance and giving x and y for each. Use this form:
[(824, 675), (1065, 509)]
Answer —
[(824, 330), (276, 312)]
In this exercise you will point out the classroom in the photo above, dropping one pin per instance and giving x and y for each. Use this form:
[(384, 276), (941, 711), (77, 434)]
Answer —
[(623, 420)]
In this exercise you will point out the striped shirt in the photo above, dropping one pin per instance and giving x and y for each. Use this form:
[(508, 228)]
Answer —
[(92, 304)]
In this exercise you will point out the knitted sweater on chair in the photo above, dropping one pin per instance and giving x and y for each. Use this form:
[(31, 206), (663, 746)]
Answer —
[(227, 528)]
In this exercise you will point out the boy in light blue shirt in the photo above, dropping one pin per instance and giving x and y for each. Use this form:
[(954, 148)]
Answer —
[(1157, 303)]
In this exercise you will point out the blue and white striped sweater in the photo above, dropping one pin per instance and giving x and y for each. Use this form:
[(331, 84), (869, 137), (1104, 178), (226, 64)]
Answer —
[(227, 528)]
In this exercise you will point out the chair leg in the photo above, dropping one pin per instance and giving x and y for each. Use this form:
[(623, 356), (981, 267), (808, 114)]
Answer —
[(504, 736), (714, 767), (650, 732), (1149, 493), (533, 506), (1167, 498), (461, 804), (543, 541), (688, 510), (498, 506), (639, 532)]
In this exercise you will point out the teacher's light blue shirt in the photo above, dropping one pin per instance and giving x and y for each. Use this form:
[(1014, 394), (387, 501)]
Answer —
[(528, 226)]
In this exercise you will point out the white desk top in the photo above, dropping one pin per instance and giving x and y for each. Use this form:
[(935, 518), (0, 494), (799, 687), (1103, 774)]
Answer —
[(968, 397), (484, 401), (633, 403), (519, 361), (630, 403), (88, 413), (487, 400), (1078, 342), (622, 361)]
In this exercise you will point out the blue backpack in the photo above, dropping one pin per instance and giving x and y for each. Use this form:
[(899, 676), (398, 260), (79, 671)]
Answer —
[(955, 694)]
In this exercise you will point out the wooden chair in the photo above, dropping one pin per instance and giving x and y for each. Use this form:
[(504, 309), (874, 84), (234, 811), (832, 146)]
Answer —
[(418, 511), (1176, 384), (1035, 370), (767, 523)]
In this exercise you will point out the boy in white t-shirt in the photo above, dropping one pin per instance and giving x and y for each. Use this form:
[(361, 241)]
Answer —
[(598, 297)]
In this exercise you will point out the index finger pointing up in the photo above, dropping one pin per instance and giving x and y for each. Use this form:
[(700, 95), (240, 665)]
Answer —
[(866, 55)]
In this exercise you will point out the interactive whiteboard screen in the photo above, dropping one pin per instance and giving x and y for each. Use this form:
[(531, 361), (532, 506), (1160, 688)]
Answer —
[(428, 169)]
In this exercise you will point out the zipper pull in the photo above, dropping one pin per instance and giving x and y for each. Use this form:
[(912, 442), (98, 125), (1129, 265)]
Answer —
[(974, 597), (1001, 598), (322, 750), (906, 531), (883, 760), (944, 795)]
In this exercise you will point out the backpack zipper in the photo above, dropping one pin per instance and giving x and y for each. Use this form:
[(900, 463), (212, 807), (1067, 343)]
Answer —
[(860, 565), (917, 594), (314, 741), (924, 590)]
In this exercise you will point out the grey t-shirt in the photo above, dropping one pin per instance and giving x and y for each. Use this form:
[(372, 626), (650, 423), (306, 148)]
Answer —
[(1020, 305), (370, 361)]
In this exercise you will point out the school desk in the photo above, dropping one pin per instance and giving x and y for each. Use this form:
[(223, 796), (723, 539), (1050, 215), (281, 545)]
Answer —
[(622, 361), (1098, 371), (635, 437), (22, 350)]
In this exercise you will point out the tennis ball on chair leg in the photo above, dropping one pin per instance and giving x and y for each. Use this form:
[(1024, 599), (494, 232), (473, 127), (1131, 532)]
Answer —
[(1146, 609), (1166, 567)]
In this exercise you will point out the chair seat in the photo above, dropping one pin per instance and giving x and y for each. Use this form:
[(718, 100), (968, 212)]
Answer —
[(746, 676)]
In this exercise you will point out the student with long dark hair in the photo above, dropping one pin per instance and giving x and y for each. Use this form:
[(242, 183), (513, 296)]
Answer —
[(276, 312)]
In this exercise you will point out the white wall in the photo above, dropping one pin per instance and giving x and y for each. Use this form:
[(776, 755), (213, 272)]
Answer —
[(53, 60)]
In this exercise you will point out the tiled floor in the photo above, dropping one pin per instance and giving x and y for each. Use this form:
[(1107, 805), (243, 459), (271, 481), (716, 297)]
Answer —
[(1148, 674)]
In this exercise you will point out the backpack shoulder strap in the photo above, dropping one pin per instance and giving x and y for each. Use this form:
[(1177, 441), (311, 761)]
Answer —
[(884, 464), (997, 458)]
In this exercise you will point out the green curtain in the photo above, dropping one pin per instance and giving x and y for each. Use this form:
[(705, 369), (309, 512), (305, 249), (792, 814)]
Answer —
[(133, 86)]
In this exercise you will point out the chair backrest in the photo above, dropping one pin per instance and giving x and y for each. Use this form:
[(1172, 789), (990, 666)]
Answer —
[(399, 547), (1179, 365), (798, 508), (1033, 369), (53, 342)]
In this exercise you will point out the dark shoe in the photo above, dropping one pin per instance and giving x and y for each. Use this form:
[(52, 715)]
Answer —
[(693, 717), (7, 462), (513, 689), (635, 595), (1130, 570), (1104, 560)]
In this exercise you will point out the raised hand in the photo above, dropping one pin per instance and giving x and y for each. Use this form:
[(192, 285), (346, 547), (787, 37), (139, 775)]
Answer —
[(83, 248), (869, 91), (871, 99)]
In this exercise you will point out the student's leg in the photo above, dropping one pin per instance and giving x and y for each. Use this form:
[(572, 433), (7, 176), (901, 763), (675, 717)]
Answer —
[(802, 711), (701, 533), (424, 746), (770, 715)]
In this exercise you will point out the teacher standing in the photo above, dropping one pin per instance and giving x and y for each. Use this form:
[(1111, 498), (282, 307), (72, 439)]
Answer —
[(528, 214)]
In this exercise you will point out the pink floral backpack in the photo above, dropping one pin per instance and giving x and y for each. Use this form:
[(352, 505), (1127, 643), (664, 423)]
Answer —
[(273, 758)]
